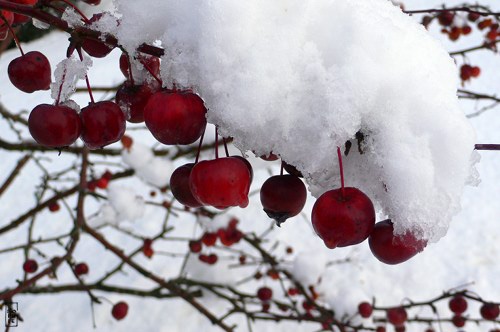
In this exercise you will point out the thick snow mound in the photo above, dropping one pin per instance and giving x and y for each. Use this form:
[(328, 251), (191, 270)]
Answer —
[(300, 78)]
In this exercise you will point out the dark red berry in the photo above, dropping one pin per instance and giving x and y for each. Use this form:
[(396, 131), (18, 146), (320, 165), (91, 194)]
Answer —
[(365, 309), (54, 207), (209, 239), (95, 47), (490, 311), (397, 316), (283, 197), (209, 259), (30, 72), (458, 321), (103, 123), (457, 304), (151, 64), (119, 310), (265, 294), (391, 249), (445, 18), (179, 184), (81, 269), (343, 217), (54, 126), (175, 117), (133, 98), (195, 246), (30, 266)]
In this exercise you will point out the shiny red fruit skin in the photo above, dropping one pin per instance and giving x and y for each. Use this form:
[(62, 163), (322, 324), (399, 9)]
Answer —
[(179, 184), (119, 310), (247, 163), (93, 47), (283, 197), (133, 98), (92, 2), (9, 17), (30, 72), (390, 249), (54, 126), (175, 117), (221, 182), (103, 123), (343, 219)]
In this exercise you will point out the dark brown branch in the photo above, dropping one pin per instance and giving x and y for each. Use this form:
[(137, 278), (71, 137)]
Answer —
[(15, 172), (453, 9), (491, 147)]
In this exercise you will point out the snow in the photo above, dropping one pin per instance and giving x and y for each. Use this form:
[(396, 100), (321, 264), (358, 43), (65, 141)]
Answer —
[(316, 91), (154, 170), (67, 74), (467, 255)]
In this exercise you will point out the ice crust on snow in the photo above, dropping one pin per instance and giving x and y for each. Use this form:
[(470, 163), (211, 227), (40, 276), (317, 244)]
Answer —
[(300, 78), (68, 72)]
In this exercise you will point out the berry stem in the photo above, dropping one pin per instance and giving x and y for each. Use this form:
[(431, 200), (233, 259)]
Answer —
[(225, 146), (79, 50), (13, 35), (341, 167), (61, 86), (151, 72), (77, 10), (282, 166), (199, 146), (131, 77), (216, 143)]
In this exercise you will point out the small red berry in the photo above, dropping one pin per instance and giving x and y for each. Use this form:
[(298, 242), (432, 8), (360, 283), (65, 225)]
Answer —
[(380, 329), (54, 126), (458, 304), (265, 294), (103, 123), (119, 310), (209, 239), (397, 316), (458, 320), (81, 269), (445, 18), (490, 311), (30, 72), (30, 266), (54, 207), (195, 246), (365, 309)]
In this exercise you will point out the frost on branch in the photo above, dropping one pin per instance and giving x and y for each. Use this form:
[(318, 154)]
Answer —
[(275, 81), (68, 72)]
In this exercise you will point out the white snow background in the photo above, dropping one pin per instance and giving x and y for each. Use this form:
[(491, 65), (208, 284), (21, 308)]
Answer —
[(467, 254)]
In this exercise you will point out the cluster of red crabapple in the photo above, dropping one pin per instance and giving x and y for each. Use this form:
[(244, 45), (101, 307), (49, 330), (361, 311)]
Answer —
[(341, 217)]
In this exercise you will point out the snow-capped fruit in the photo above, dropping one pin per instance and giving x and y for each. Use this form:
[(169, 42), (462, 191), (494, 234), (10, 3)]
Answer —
[(283, 197), (95, 47), (221, 182), (343, 217), (54, 126), (175, 117), (391, 249)]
